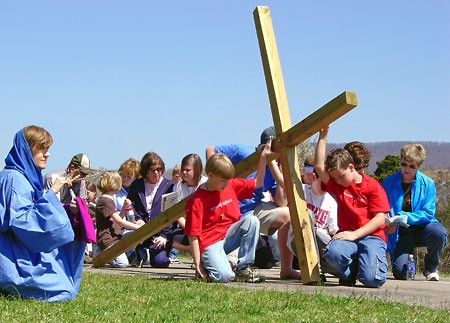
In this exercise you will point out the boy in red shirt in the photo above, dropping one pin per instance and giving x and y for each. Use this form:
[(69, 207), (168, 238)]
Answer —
[(358, 250), (214, 225)]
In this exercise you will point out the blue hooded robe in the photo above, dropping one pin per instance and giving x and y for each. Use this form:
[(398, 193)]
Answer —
[(38, 255)]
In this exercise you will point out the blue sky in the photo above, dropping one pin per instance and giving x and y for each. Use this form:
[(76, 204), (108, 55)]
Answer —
[(116, 79)]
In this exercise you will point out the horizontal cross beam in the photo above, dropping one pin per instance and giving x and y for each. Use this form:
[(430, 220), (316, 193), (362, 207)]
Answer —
[(321, 118)]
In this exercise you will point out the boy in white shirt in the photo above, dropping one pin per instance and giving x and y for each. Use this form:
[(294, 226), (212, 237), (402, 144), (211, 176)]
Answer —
[(321, 207)]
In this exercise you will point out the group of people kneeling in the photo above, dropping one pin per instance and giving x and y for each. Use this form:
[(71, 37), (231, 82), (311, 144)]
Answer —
[(348, 211)]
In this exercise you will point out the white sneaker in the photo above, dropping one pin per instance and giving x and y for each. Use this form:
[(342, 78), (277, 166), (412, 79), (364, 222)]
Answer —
[(174, 261), (432, 276)]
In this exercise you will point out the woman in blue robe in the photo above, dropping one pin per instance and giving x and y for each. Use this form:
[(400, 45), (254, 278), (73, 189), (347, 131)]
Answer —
[(38, 255)]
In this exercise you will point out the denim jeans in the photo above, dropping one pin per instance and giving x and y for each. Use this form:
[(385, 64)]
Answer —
[(433, 236), (364, 259), (120, 262), (244, 235), (124, 234)]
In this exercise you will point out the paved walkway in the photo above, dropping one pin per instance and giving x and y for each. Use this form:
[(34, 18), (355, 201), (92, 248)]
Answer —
[(419, 292)]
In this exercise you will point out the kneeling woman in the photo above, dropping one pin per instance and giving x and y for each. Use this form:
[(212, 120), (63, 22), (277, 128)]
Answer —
[(145, 194), (39, 257)]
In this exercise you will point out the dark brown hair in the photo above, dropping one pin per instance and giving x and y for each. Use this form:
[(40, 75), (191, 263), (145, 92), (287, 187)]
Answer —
[(91, 187), (148, 160)]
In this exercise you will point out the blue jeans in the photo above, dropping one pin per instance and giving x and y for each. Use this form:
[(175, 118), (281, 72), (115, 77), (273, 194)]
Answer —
[(364, 259), (433, 236), (120, 262), (244, 235)]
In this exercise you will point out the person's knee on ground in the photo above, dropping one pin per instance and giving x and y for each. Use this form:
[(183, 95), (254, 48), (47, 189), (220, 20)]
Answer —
[(221, 275), (159, 258), (374, 275), (120, 262), (214, 261), (340, 255), (399, 266), (334, 258), (372, 262)]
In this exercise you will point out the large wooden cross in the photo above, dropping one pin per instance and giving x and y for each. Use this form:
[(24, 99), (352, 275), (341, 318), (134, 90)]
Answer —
[(285, 143)]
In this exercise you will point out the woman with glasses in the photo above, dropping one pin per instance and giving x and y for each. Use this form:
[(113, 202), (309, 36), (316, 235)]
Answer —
[(412, 193), (145, 194)]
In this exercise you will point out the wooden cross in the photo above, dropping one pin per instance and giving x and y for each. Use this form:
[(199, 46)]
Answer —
[(285, 143)]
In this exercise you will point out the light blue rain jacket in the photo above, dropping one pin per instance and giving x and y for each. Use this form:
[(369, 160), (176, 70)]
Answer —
[(38, 255), (423, 202)]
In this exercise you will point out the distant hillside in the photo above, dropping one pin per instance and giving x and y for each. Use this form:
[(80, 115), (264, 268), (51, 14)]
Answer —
[(438, 153)]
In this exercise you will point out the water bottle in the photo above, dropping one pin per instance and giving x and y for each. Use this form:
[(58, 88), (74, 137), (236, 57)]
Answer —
[(129, 214), (410, 268)]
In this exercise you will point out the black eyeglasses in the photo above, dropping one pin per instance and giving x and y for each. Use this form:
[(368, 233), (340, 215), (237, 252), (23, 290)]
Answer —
[(154, 169), (408, 165)]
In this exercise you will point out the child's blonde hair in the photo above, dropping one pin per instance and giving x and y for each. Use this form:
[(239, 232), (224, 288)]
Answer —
[(37, 137), (176, 170), (413, 152), (219, 165), (109, 181), (131, 168)]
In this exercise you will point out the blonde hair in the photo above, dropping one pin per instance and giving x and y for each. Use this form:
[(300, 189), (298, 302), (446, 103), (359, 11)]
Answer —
[(219, 165), (413, 152), (176, 170), (131, 168), (37, 137), (109, 181)]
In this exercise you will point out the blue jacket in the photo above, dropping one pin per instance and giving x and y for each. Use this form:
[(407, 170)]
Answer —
[(38, 257), (136, 194), (423, 202)]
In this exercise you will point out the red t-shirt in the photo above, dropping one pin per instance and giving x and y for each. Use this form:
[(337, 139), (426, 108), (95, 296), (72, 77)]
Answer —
[(358, 203), (209, 214)]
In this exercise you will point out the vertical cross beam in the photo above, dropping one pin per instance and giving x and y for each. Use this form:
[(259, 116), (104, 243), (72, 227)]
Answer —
[(304, 239)]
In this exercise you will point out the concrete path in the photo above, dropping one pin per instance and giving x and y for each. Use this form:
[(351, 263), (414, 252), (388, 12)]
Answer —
[(419, 292)]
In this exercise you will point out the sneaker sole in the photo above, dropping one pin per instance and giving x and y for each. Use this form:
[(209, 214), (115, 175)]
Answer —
[(248, 280)]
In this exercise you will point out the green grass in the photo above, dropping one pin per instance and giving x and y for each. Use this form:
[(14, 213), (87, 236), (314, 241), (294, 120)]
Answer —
[(112, 298)]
